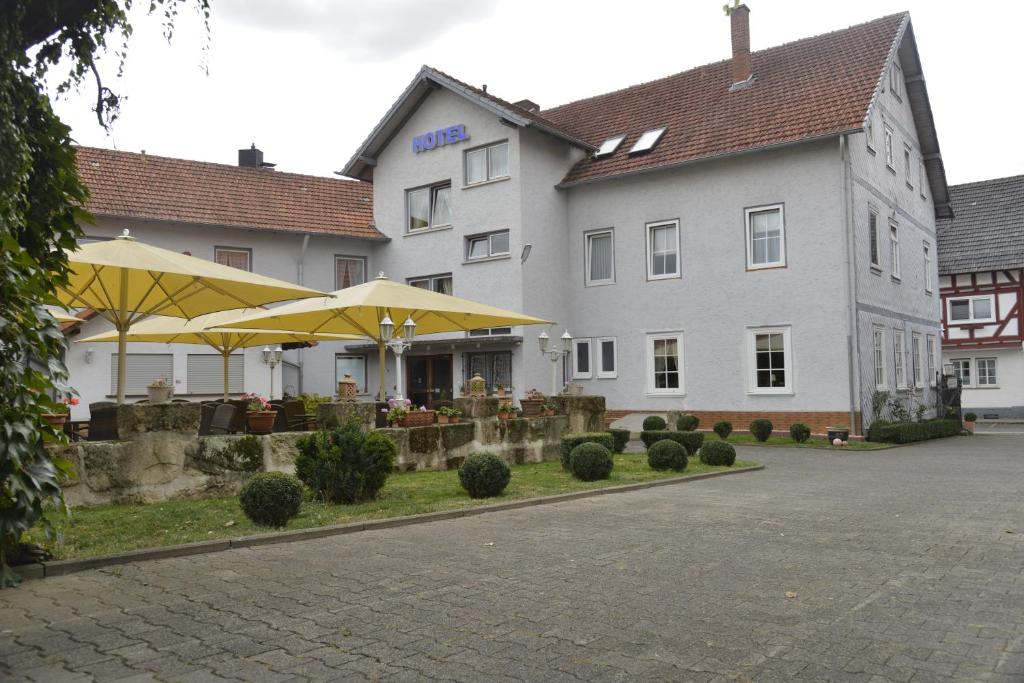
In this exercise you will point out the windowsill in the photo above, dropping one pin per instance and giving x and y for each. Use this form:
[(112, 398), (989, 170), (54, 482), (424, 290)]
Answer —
[(772, 266), (871, 150), (502, 179), (615, 376), (877, 270), (599, 284), (982, 386), (665, 394), (487, 259), (909, 186), (897, 279), (424, 231), (891, 169), (655, 278), (761, 392), (575, 377)]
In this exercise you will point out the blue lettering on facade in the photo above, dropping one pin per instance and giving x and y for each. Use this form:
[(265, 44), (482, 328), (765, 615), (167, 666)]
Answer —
[(438, 138)]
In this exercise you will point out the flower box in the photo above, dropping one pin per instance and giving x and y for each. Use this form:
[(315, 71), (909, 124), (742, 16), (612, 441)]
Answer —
[(447, 419), (417, 418), (532, 407), (261, 421)]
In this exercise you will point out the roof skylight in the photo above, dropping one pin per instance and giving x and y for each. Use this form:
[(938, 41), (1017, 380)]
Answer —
[(647, 141), (609, 146)]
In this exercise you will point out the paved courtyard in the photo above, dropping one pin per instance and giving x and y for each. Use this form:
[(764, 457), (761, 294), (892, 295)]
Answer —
[(901, 565)]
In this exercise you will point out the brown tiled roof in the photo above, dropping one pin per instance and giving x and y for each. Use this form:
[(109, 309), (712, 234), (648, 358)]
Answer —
[(809, 88), (144, 186)]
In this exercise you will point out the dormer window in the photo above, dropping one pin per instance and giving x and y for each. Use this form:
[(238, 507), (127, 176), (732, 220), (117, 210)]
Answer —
[(609, 146), (647, 141)]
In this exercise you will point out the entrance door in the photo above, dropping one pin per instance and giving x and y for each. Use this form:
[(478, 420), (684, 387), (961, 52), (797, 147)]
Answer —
[(429, 379)]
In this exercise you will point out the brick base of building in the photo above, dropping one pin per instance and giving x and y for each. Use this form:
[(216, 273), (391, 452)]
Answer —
[(818, 421)]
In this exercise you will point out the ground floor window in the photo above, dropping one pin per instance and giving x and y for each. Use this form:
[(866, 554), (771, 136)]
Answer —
[(878, 352), (607, 363), (352, 364), (205, 373), (490, 331), (962, 370), (494, 366), (770, 359), (581, 359), (141, 369), (665, 363), (933, 356), (986, 371), (900, 353), (915, 355)]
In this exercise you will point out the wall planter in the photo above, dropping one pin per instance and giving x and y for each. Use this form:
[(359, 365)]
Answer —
[(417, 418), (841, 433), (532, 407), (56, 420), (447, 419), (261, 421), (158, 394), (969, 419)]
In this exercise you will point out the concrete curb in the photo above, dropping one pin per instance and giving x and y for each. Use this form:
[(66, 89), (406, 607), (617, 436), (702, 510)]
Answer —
[(62, 567)]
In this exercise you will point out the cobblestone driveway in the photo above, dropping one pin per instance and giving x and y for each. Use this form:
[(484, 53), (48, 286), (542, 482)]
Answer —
[(899, 565)]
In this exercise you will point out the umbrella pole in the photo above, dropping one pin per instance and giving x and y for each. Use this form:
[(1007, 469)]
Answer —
[(122, 334), (382, 392), (226, 353)]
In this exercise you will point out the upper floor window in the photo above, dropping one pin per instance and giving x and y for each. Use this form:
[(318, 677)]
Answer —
[(876, 259), (349, 271), (435, 283), (922, 177), (600, 257), (647, 141), (609, 146), (928, 268), (896, 80), (487, 246), (869, 131), (429, 207), (889, 160), (235, 257), (487, 163), (972, 309), (662, 250), (771, 361), (766, 237), (894, 248), (908, 165)]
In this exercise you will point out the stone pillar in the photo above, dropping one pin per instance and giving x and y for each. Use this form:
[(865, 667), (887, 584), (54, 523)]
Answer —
[(477, 407), (586, 413), (329, 415)]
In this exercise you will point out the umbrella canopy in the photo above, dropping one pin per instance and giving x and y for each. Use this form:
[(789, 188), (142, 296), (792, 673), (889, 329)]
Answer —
[(359, 310), (225, 340), (65, 318), (126, 281)]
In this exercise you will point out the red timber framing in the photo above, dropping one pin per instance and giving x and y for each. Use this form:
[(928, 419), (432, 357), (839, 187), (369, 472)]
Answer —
[(1007, 290)]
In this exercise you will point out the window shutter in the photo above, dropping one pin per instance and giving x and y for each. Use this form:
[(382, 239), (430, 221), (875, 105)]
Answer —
[(206, 373), (141, 369)]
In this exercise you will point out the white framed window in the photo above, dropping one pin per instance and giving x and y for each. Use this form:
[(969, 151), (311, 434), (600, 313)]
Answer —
[(487, 163), (487, 246), (349, 271), (894, 248), (916, 358), (971, 309), (933, 360), (962, 370), (235, 257), (204, 373), (490, 332), (908, 165), (607, 360), (435, 283), (921, 178), (143, 368), (429, 207), (889, 161), (665, 364), (899, 343), (878, 354), (663, 250), (927, 267), (609, 146), (869, 134), (873, 248), (647, 141), (600, 257), (986, 371), (351, 364), (770, 360), (896, 80), (766, 237), (581, 359)]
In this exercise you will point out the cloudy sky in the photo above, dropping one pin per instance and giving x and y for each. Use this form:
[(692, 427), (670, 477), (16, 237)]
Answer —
[(306, 80)]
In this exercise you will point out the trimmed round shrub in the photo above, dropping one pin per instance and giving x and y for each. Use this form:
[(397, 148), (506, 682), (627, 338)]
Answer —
[(799, 432), (654, 423), (761, 429), (723, 429), (970, 417), (271, 498), (717, 453), (571, 441), (345, 465), (687, 423), (484, 475), (590, 462), (691, 440), (620, 437), (667, 455)]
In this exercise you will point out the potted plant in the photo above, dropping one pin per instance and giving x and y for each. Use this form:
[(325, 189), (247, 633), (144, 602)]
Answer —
[(159, 390), (969, 420), (547, 409), (310, 403), (448, 415), (506, 411), (532, 404), (500, 390), (259, 415), (841, 433), (396, 410), (58, 418), (418, 418)]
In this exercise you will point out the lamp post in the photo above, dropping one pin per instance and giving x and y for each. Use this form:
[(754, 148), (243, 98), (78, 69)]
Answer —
[(398, 345), (272, 358), (554, 354)]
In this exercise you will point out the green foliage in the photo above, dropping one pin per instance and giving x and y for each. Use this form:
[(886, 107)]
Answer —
[(484, 475), (243, 454), (271, 498), (571, 441), (761, 429), (908, 432), (345, 465), (667, 455), (970, 417), (723, 429), (718, 453), (620, 437), (799, 432), (691, 440), (654, 423), (310, 402), (687, 423), (591, 461)]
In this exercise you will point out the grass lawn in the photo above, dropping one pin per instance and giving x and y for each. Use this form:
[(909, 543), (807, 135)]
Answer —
[(107, 529), (813, 442)]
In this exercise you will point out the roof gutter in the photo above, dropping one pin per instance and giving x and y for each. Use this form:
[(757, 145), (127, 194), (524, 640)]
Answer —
[(850, 249), (277, 231)]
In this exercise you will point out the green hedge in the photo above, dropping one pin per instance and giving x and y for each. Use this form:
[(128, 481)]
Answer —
[(571, 441), (687, 423), (271, 498), (590, 462), (654, 423), (908, 432), (484, 475), (761, 429), (620, 437), (718, 453), (691, 440), (667, 455)]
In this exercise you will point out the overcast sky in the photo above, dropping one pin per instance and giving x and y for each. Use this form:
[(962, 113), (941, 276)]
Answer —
[(307, 80)]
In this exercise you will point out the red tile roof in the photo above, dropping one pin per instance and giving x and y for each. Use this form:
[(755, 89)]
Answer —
[(144, 186), (809, 88)]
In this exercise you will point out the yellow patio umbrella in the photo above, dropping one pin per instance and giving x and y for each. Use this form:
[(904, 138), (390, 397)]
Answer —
[(225, 340), (65, 318), (125, 281), (361, 310)]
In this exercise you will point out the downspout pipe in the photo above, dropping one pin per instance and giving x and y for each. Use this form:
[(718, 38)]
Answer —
[(301, 277), (853, 366)]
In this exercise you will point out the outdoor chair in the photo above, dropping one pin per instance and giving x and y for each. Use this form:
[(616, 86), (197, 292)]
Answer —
[(102, 421), (206, 411), (223, 416), (297, 417), (238, 421)]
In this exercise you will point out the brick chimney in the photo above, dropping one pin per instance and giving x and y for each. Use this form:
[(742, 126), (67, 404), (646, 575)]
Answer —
[(739, 17)]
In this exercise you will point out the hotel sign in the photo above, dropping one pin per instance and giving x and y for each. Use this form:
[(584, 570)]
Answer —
[(439, 138)]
